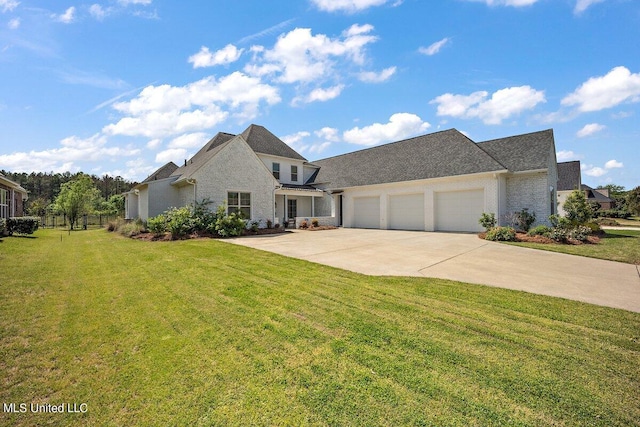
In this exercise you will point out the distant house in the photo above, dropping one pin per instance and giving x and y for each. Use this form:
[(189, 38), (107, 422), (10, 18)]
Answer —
[(440, 181), (569, 179), (12, 198), (599, 196)]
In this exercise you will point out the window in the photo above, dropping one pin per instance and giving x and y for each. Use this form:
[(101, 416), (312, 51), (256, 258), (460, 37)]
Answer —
[(292, 208), (239, 202), (4, 204), (275, 167), (294, 173)]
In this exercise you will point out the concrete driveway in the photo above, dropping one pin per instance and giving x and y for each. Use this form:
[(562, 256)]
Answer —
[(462, 257)]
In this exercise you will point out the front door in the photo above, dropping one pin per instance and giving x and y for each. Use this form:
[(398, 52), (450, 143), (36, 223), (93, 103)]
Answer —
[(292, 208)]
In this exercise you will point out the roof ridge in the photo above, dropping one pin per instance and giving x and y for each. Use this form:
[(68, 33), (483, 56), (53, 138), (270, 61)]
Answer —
[(391, 143), (516, 136)]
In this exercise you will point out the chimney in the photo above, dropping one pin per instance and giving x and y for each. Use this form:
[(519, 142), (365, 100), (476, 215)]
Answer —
[(185, 162)]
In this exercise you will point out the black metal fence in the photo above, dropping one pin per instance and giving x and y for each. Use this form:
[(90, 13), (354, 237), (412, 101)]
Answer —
[(86, 221)]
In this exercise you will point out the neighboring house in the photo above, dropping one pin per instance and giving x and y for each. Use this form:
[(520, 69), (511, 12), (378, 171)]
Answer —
[(599, 196), (569, 179), (12, 198), (441, 181)]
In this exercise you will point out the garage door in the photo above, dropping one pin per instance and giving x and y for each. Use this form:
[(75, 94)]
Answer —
[(366, 211), (406, 212), (459, 210)]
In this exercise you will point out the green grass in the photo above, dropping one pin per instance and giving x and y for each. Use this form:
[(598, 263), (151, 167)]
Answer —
[(203, 332), (616, 245)]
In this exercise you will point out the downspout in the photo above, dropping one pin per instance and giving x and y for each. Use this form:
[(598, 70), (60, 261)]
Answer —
[(193, 182), (273, 199)]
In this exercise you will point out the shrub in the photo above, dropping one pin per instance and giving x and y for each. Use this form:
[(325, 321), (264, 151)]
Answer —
[(22, 225), (269, 224), (541, 230), (254, 226), (559, 234), (594, 227), (180, 221), (304, 224), (315, 222), (524, 219), (228, 225), (607, 221), (580, 233), (487, 220), (577, 208), (203, 218), (158, 224), (3, 226), (132, 228), (558, 221), (501, 234)]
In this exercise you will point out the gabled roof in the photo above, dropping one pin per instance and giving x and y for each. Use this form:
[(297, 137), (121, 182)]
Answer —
[(520, 153), (436, 155), (12, 184), (569, 176), (210, 149), (262, 141), (162, 173), (595, 195)]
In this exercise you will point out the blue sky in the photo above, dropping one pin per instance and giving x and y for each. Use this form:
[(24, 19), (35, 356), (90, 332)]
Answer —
[(121, 87)]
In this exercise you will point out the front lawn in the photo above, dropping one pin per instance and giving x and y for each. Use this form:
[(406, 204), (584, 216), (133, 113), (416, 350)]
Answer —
[(615, 245), (201, 332)]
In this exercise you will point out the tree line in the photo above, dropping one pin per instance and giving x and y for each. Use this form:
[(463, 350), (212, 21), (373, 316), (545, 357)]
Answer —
[(49, 192)]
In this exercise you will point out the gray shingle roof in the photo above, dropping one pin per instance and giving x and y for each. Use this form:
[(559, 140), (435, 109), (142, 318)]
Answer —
[(520, 153), (262, 141), (440, 154), (594, 195), (569, 176), (162, 173)]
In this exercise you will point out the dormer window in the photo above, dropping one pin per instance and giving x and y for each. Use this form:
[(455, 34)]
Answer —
[(275, 168), (294, 173)]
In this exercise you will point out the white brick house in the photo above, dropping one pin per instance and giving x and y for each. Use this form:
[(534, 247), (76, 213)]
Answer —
[(440, 181)]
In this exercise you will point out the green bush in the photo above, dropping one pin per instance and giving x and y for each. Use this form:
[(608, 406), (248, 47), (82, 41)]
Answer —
[(3, 226), (607, 221), (577, 208), (580, 233), (22, 225), (594, 227), (487, 220), (132, 228), (559, 234), (228, 225), (524, 219), (180, 221), (158, 224), (558, 221), (501, 234), (203, 218), (541, 230)]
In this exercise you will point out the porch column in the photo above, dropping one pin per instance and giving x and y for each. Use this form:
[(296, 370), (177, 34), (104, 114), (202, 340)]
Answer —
[(313, 206), (286, 209)]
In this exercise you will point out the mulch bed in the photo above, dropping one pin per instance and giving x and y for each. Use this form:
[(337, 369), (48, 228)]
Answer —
[(166, 237), (524, 237), (320, 228)]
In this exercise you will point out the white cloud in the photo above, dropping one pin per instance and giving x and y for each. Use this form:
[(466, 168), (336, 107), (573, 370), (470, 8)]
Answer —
[(8, 5), (67, 17), (400, 126), (295, 138), (349, 6), (300, 57), (590, 129), (141, 2), (320, 95), (328, 134), (434, 47), (154, 143), (319, 147), (98, 12), (610, 90), (206, 58), (613, 164), (73, 149), (190, 140), (373, 77), (582, 5), (513, 3), (176, 155), (160, 111), (566, 155), (14, 24), (502, 105)]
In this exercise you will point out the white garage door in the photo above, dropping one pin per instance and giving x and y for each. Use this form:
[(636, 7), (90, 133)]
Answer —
[(366, 211), (406, 212), (459, 210)]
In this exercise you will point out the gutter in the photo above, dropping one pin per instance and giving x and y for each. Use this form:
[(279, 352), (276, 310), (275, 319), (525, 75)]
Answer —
[(273, 200)]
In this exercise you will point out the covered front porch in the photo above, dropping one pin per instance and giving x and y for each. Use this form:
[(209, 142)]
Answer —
[(296, 202)]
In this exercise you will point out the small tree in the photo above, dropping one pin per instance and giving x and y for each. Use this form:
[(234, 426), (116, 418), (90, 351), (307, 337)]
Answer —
[(77, 198), (577, 209), (487, 220), (524, 219), (633, 200)]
